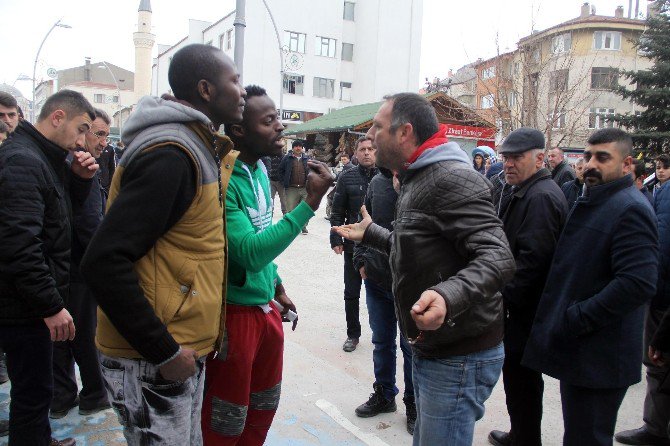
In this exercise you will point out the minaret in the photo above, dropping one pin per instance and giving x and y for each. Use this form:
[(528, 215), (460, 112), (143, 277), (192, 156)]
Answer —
[(144, 43)]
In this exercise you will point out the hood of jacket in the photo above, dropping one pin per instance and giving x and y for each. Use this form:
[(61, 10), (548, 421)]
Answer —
[(151, 111), (444, 152)]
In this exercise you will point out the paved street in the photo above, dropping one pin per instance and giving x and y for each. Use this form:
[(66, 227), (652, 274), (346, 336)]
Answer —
[(322, 384)]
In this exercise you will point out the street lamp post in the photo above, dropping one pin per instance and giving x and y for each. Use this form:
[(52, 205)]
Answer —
[(59, 25), (118, 89), (281, 65), (239, 23)]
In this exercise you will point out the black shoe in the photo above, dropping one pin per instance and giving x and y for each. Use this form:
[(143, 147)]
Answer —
[(4, 428), (350, 344), (410, 410), (500, 438), (63, 442), (84, 410), (304, 231), (641, 437), (62, 411), (376, 404)]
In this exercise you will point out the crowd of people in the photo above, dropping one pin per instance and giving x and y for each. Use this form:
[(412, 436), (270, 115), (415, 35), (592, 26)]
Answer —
[(151, 266)]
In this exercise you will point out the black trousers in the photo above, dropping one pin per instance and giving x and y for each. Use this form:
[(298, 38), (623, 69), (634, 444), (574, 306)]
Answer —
[(352, 295), (28, 350), (82, 349), (589, 415), (524, 389)]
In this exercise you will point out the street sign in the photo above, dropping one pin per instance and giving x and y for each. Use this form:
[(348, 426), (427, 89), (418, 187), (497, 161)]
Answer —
[(52, 73)]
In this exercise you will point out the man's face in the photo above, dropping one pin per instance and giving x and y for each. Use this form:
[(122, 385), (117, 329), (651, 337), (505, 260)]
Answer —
[(70, 134), (297, 150), (262, 129), (365, 153), (344, 159), (389, 153), (605, 163), (96, 138), (662, 173), (579, 171), (521, 166), (555, 158), (227, 101), (10, 116)]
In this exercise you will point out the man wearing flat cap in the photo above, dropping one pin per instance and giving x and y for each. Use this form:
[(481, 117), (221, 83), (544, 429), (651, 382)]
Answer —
[(533, 218)]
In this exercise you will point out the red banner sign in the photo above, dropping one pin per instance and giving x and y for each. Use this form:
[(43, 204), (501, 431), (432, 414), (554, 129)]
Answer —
[(464, 131)]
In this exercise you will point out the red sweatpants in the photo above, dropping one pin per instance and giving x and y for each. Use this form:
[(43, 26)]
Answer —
[(242, 390)]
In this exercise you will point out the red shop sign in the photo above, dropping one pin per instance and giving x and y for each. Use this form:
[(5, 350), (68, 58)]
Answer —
[(464, 131)]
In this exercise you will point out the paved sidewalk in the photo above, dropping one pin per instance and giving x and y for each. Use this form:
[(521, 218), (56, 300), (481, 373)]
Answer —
[(322, 384)]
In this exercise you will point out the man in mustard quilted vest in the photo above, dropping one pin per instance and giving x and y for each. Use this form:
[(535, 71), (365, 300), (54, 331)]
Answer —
[(157, 263)]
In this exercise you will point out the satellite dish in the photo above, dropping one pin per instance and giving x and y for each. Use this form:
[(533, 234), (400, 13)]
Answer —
[(294, 62), (52, 73)]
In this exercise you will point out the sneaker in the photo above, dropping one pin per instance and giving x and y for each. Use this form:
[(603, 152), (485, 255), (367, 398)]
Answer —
[(410, 411), (304, 230), (350, 344), (60, 412), (95, 409), (376, 404), (4, 428), (500, 438), (63, 442), (641, 436)]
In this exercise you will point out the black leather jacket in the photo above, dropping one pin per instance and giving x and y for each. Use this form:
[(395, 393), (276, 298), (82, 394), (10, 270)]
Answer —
[(447, 238)]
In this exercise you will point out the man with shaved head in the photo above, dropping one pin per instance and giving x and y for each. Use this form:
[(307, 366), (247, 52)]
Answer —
[(587, 332), (157, 263)]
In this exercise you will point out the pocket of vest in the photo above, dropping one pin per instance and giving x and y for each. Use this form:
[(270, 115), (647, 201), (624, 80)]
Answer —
[(183, 288)]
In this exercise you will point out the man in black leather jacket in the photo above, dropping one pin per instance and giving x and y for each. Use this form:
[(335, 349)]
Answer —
[(352, 185), (449, 258)]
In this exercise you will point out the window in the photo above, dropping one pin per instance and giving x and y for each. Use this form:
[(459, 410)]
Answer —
[(345, 91), (294, 84), (99, 98), (598, 118), (229, 40), (557, 120), (489, 72), (558, 81), (606, 78), (295, 42), (607, 40), (348, 51), (325, 46), (324, 88), (348, 11), (511, 99), (561, 43), (487, 101)]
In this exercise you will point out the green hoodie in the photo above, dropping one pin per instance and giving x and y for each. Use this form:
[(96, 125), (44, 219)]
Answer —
[(253, 242)]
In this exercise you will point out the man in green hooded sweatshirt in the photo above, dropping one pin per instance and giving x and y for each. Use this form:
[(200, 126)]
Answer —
[(244, 382)]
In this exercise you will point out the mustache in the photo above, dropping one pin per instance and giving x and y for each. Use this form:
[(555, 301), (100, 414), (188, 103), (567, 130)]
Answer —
[(593, 173)]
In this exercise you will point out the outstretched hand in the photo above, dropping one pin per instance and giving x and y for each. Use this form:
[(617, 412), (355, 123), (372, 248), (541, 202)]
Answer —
[(354, 232)]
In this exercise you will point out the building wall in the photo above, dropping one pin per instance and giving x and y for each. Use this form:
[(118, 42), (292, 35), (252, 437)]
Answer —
[(126, 98), (384, 59)]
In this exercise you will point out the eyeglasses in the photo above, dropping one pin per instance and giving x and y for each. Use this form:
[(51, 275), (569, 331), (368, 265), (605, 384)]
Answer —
[(100, 135)]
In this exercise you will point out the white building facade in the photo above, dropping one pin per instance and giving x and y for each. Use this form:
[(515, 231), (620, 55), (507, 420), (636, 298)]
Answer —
[(336, 53)]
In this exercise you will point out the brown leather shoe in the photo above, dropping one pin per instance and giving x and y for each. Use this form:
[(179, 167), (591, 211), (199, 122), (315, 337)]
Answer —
[(63, 442)]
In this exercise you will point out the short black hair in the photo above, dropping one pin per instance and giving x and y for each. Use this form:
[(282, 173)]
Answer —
[(639, 168), (7, 100), (414, 109), (71, 102), (358, 142), (102, 115), (189, 66), (608, 135), (664, 159), (298, 143)]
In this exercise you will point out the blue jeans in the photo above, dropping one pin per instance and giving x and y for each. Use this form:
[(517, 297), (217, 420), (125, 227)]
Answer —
[(151, 409), (384, 326), (450, 395)]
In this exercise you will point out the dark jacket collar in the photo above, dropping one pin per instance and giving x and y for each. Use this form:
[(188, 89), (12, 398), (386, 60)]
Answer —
[(561, 166), (367, 171), (597, 194), (537, 176), (54, 153)]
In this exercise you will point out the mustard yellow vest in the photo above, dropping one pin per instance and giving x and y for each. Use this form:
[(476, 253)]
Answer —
[(183, 274)]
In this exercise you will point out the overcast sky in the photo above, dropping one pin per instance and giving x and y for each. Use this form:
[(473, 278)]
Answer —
[(455, 32)]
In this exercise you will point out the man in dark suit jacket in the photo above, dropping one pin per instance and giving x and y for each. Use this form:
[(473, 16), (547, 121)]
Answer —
[(588, 326)]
